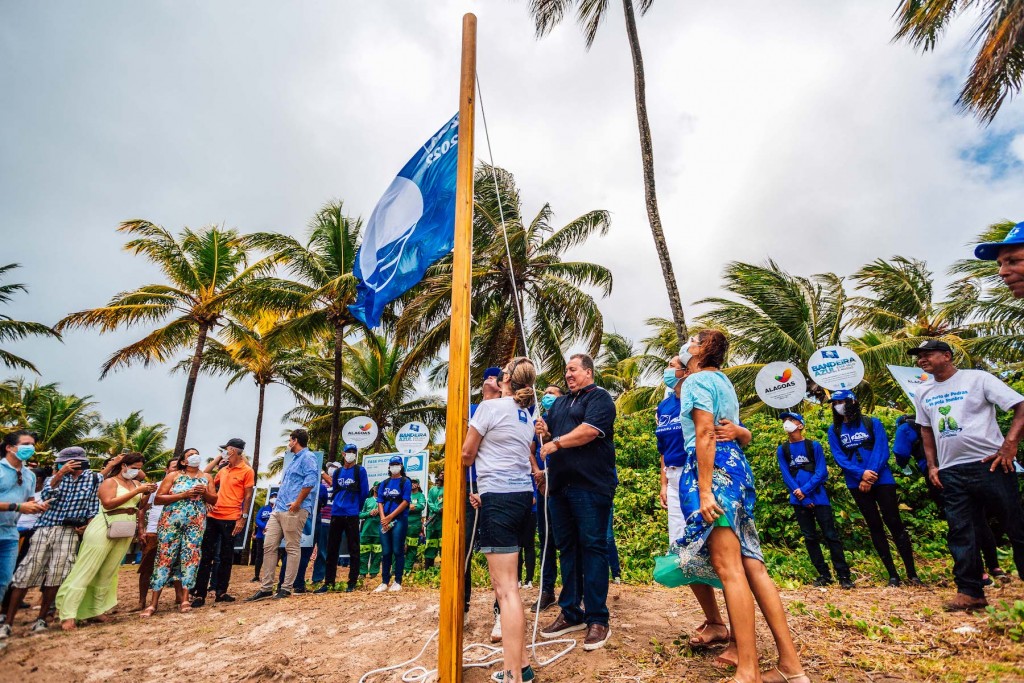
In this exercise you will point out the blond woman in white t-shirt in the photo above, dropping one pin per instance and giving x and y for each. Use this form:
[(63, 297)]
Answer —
[(499, 443)]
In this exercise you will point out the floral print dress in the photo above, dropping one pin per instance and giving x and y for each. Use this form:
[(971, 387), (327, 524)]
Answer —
[(179, 535)]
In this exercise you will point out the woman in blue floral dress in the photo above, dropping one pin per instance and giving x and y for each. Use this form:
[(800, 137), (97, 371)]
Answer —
[(720, 545)]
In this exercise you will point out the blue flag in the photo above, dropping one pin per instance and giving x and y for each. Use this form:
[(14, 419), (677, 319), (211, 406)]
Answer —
[(412, 226)]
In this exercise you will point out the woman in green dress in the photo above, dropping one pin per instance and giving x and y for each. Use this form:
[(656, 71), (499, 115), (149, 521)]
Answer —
[(91, 587)]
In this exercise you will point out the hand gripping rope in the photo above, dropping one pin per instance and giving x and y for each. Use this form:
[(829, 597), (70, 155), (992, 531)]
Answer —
[(489, 655)]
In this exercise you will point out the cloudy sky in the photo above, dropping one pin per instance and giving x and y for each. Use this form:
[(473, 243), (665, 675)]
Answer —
[(793, 130)]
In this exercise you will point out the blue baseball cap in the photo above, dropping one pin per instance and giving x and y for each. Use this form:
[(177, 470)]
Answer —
[(792, 416), (396, 460), (350, 447), (989, 251), (842, 395), (492, 372)]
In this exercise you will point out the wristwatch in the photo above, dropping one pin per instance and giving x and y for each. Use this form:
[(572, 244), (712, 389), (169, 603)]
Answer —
[(558, 446), (245, 515)]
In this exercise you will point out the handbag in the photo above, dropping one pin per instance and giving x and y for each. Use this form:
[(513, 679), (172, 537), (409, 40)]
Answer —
[(120, 528)]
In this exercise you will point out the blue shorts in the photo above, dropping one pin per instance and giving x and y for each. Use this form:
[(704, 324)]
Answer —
[(502, 518)]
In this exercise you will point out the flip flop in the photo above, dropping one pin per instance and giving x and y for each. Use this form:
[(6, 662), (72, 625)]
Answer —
[(185, 607), (698, 641), (785, 678), (148, 612)]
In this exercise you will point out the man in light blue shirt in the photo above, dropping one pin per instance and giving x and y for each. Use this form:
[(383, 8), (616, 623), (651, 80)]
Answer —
[(294, 506)]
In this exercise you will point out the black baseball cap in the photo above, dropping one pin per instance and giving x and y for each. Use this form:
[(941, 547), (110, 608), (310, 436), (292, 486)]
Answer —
[(930, 345), (235, 443)]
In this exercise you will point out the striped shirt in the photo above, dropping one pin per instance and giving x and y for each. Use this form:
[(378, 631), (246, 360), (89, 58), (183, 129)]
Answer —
[(73, 498)]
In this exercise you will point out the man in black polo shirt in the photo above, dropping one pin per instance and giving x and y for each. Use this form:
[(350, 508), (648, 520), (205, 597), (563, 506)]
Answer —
[(578, 434)]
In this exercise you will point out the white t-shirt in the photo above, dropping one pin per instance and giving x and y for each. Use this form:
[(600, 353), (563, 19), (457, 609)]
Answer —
[(503, 459), (153, 515), (962, 415)]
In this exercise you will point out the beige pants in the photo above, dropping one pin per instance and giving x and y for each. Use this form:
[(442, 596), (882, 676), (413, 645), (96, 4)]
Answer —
[(288, 526)]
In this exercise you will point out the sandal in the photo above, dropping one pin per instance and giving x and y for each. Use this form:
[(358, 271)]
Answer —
[(148, 612), (723, 663), (185, 607), (785, 678), (698, 640)]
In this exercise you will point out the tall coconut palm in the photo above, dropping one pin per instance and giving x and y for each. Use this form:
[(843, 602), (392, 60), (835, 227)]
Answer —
[(323, 288), (626, 374), (14, 330), (58, 419), (589, 14), (998, 68), (251, 350), (133, 434), (548, 301), (208, 275)]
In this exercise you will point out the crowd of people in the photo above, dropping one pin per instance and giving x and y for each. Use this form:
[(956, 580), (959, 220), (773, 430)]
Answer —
[(539, 466)]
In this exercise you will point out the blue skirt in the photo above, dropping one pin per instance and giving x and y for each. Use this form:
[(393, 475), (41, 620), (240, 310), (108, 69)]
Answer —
[(733, 486)]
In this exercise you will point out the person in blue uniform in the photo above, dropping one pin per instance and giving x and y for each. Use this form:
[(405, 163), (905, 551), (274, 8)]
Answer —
[(393, 498), (262, 517)]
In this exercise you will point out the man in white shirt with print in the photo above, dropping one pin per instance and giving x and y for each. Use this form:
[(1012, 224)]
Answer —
[(970, 460)]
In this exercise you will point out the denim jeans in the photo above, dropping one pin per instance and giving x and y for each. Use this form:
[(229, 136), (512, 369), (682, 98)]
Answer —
[(217, 555), (579, 519), (613, 551), (811, 519), (8, 560), (393, 543), (320, 563), (968, 488)]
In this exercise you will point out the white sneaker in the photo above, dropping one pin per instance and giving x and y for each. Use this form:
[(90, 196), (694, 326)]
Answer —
[(395, 588), (529, 585), (496, 631), (40, 626), (381, 588), (5, 631)]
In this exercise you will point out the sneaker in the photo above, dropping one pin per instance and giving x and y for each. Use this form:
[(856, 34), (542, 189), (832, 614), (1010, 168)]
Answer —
[(525, 675), (597, 636), (299, 591), (617, 580), (198, 602), (846, 583), (254, 579), (965, 603), (529, 585), (496, 631), (259, 595), (560, 626), (350, 588), (39, 627), (5, 631), (224, 597), (326, 588), (915, 581), (894, 582), (282, 594), (546, 600), (395, 588), (381, 588), (986, 580), (1000, 574), (822, 581)]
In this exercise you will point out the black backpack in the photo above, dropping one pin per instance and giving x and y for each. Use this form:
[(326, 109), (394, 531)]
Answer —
[(810, 448), (869, 443)]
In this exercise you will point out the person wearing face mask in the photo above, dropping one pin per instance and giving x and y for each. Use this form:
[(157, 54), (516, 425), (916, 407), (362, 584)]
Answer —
[(370, 549), (17, 488), (72, 494), (259, 530), (350, 488), (184, 494), (860, 447), (549, 551), (393, 498), (804, 471), (417, 506), (151, 513), (432, 527), (90, 589)]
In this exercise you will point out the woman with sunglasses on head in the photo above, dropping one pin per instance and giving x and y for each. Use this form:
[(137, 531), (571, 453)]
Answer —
[(720, 544)]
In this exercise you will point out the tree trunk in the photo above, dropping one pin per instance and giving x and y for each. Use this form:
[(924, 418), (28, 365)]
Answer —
[(647, 154), (339, 376), (255, 468), (190, 388)]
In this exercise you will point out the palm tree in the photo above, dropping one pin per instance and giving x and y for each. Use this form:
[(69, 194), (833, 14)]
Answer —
[(252, 350), (998, 68), (208, 274), (323, 289), (59, 420), (133, 434), (589, 14), (14, 330), (379, 384), (547, 304), (622, 370)]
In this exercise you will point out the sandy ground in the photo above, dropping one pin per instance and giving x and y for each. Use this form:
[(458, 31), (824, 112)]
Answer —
[(869, 634)]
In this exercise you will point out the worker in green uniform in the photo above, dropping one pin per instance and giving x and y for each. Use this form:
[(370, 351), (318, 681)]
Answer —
[(432, 528), (417, 504), (370, 549)]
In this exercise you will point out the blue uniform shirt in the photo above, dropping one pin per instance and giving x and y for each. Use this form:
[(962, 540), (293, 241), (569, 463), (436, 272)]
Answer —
[(301, 473), (861, 459), (262, 517), (392, 492), (12, 492), (671, 443), (811, 484), (348, 502)]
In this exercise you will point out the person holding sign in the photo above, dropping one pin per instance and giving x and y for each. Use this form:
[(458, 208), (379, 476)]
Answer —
[(860, 447), (805, 472), (393, 498)]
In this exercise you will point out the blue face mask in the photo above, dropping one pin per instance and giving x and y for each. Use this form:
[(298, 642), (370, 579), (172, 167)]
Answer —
[(670, 378), (548, 401), (25, 452)]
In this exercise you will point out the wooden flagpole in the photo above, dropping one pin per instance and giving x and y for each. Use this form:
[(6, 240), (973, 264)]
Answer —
[(453, 553)]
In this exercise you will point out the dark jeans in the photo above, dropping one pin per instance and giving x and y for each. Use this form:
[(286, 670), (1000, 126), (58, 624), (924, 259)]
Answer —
[(613, 551), (881, 504), (349, 526), (299, 584), (393, 544), (810, 520), (470, 525), (580, 523), (321, 542), (528, 548), (257, 555), (967, 489), (549, 561), (218, 543)]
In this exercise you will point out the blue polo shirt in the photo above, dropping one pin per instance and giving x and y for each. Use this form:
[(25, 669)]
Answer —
[(669, 432), (12, 492), (811, 484), (391, 493), (262, 517)]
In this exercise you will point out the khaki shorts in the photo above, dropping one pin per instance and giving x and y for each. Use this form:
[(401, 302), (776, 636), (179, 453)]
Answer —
[(49, 558)]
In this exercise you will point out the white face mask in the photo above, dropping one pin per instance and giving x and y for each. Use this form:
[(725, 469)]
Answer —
[(790, 426), (395, 469), (684, 351), (331, 471), (840, 408), (350, 458), (193, 460), (130, 473)]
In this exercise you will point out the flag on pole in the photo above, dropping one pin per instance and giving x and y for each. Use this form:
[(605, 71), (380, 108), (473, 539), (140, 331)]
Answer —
[(412, 226), (909, 379)]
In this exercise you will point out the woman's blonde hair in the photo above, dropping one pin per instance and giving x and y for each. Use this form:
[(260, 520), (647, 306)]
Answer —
[(523, 376)]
